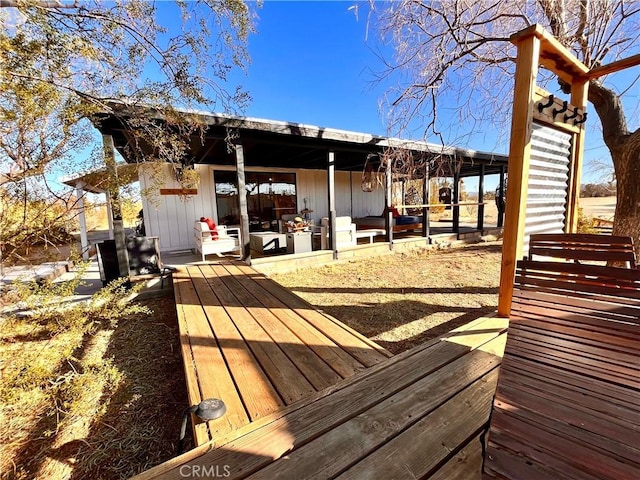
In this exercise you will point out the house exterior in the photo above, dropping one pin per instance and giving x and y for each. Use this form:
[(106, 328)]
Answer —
[(272, 168)]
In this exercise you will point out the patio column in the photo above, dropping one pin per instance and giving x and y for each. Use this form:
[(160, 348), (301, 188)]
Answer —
[(501, 195), (481, 199), (116, 209), (242, 199), (455, 201), (82, 219), (109, 215), (331, 180), (388, 218), (426, 201)]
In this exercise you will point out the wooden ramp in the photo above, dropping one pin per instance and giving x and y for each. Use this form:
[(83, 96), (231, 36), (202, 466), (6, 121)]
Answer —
[(418, 414), (257, 346)]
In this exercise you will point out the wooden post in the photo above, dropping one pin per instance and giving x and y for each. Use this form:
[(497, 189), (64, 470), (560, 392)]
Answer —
[(388, 218), (331, 179), (519, 153), (116, 208), (579, 94), (501, 195), (455, 200), (82, 219), (426, 201), (109, 214), (242, 199), (481, 199)]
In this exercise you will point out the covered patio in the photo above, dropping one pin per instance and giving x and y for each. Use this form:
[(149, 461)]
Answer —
[(271, 171)]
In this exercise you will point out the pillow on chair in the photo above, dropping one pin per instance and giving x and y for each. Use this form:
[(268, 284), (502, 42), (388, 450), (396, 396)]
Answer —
[(212, 227)]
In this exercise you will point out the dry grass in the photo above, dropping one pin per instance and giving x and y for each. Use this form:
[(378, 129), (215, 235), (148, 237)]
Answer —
[(403, 300), (109, 412)]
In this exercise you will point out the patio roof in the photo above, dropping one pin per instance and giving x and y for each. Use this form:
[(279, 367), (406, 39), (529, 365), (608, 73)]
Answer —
[(270, 143)]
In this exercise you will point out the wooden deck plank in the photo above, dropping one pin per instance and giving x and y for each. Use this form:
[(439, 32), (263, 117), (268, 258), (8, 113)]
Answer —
[(258, 395), (364, 350), (200, 429), (464, 465), (305, 421), (314, 369), (340, 361), (213, 377), (419, 450), (274, 362), (354, 439)]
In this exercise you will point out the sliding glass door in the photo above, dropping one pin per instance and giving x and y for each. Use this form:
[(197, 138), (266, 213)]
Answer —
[(269, 196)]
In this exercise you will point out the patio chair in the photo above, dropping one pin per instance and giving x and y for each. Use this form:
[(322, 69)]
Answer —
[(345, 232), (208, 243)]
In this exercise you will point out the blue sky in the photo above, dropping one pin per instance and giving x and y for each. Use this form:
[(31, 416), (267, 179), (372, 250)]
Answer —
[(313, 62)]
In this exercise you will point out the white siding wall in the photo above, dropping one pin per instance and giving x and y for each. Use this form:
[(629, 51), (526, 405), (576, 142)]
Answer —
[(365, 203), (171, 218)]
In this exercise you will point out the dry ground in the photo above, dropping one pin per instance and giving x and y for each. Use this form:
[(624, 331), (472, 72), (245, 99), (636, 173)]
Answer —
[(402, 300), (112, 411)]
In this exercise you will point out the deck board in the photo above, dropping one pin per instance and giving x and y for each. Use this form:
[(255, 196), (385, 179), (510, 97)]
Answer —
[(355, 423), (241, 343)]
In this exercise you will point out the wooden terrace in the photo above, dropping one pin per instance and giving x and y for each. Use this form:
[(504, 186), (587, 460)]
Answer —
[(308, 397)]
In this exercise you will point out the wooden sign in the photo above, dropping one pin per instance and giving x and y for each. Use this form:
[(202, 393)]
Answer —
[(178, 191)]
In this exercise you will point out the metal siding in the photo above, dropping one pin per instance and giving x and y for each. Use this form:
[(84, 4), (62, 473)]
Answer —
[(547, 182)]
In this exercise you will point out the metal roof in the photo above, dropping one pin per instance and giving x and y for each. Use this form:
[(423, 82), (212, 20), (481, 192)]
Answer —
[(271, 143)]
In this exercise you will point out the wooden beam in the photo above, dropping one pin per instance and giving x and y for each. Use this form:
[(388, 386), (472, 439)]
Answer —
[(388, 218), (613, 67), (579, 97), (481, 199), (331, 180), (455, 208), (552, 54), (519, 155), (426, 201), (116, 207), (242, 199)]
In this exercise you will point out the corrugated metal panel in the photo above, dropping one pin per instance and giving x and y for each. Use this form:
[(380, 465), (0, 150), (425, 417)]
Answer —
[(547, 182)]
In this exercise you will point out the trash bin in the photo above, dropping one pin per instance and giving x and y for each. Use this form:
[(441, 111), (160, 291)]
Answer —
[(144, 257), (108, 261)]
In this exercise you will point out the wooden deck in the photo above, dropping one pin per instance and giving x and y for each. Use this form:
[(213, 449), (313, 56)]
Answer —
[(257, 346), (418, 414)]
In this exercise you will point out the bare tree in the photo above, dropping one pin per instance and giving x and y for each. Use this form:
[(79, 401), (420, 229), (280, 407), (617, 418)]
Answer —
[(460, 49), (63, 62)]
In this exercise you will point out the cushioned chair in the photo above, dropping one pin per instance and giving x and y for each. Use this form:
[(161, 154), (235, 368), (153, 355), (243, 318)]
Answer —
[(227, 240), (345, 233)]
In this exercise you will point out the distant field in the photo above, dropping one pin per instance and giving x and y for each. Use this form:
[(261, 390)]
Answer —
[(600, 207)]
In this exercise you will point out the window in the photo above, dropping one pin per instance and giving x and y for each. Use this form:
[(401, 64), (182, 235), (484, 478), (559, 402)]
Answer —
[(269, 196)]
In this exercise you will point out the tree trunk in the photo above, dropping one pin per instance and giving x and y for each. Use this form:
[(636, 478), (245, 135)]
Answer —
[(626, 161), (624, 147)]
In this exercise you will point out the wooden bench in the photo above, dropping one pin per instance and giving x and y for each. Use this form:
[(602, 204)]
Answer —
[(370, 233), (567, 404), (583, 247)]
